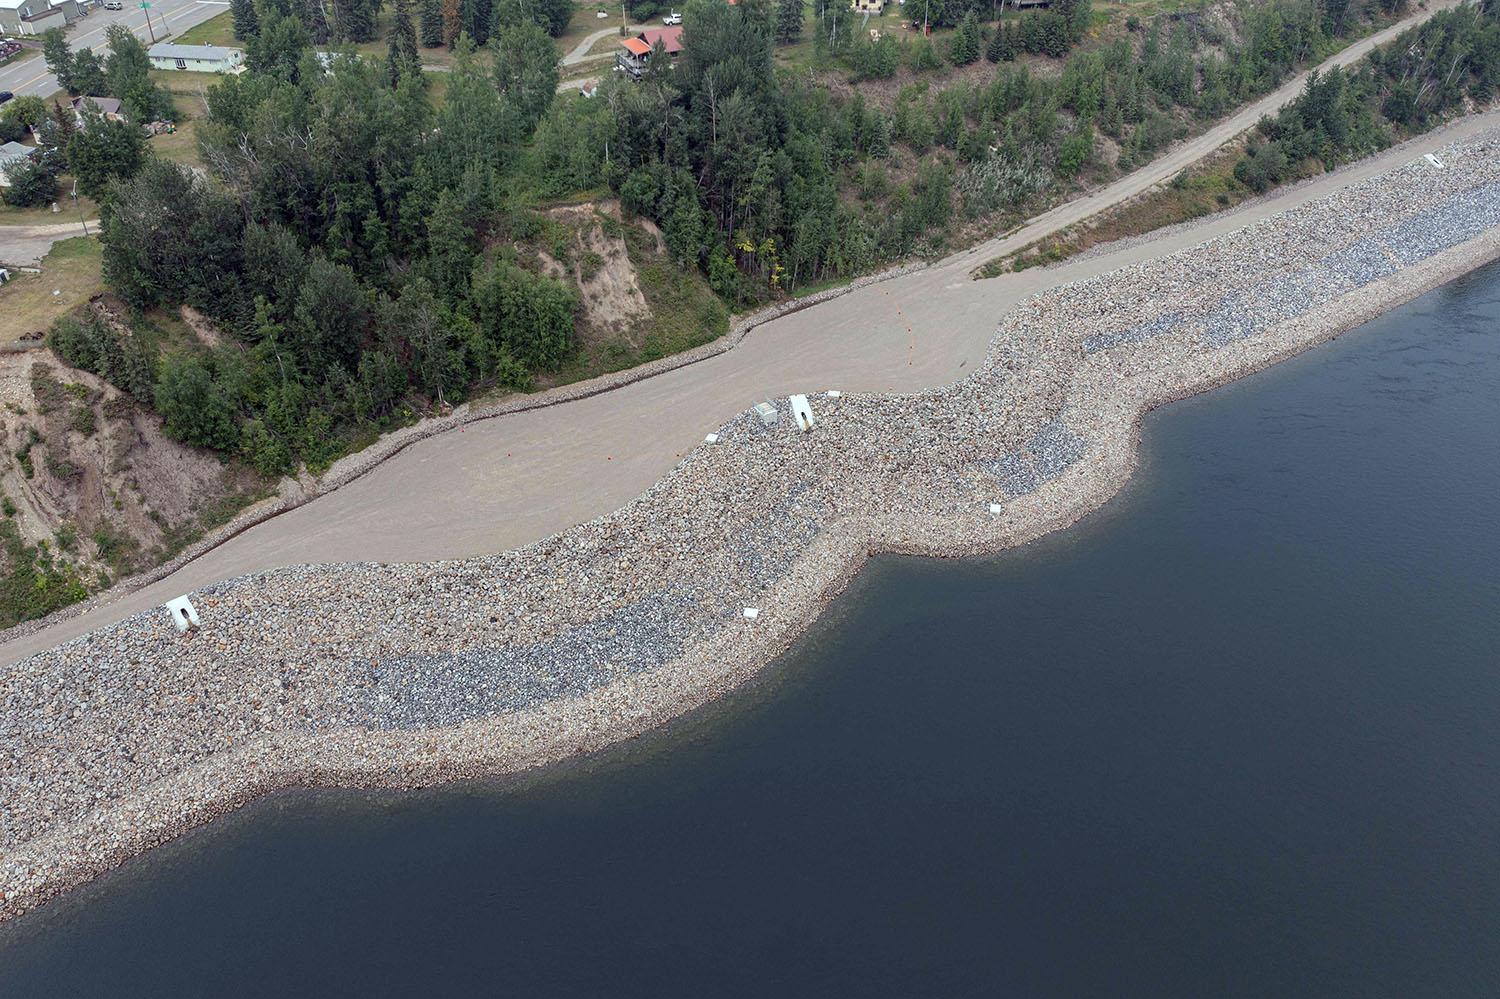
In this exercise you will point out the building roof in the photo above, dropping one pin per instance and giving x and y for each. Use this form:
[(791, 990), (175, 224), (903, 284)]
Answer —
[(106, 105), (14, 150), (670, 38), (209, 53), (635, 46)]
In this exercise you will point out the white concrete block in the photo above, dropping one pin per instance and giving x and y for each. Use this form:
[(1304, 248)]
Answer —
[(802, 412), (835, 394), (767, 413), (996, 508), (184, 614), (1434, 161), (711, 439), (751, 613)]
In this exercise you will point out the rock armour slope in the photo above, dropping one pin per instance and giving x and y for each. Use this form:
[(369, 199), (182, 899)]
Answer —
[(407, 674)]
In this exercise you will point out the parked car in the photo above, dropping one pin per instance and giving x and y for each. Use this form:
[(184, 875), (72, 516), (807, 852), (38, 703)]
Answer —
[(113, 5), (672, 18), (5, 95)]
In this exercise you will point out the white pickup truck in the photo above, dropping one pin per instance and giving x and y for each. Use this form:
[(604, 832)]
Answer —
[(672, 18)]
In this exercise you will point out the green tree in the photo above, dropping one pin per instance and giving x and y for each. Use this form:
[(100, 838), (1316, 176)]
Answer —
[(127, 73), (277, 50), (59, 58), (432, 23), (246, 21), (402, 58), (789, 15), (526, 315), (88, 73), (27, 109), (354, 20), (104, 150), (193, 407), (966, 42), (32, 185), (526, 73)]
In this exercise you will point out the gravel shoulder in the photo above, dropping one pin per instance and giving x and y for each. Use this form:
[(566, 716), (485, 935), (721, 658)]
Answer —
[(405, 674)]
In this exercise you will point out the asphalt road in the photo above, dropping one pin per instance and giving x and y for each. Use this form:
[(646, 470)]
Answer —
[(509, 481), (30, 76)]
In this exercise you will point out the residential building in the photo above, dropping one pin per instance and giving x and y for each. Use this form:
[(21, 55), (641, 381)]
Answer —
[(32, 17), (196, 58), (107, 106), (637, 50), (12, 155)]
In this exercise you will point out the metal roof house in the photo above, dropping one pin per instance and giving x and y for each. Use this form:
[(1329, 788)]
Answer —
[(637, 50), (197, 58), (12, 155), (109, 107)]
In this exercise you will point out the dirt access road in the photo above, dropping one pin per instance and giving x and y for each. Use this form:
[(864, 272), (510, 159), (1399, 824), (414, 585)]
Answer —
[(26, 245), (509, 481)]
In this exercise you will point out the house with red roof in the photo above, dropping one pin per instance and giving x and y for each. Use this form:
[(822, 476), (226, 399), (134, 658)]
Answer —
[(636, 52)]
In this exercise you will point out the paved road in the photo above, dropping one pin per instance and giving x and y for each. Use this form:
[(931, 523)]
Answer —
[(30, 76), (512, 480), (25, 245)]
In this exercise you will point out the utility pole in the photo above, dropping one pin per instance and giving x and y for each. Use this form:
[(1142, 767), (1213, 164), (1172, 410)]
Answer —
[(146, 6), (82, 219)]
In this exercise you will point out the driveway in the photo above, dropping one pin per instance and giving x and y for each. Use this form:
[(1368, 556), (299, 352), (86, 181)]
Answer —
[(26, 245)]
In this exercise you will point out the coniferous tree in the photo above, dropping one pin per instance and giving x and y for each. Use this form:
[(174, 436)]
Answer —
[(789, 20), (403, 59), (432, 23), (1002, 47), (356, 20), (965, 47), (246, 22)]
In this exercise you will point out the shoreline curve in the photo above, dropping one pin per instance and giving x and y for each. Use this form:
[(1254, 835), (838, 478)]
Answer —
[(939, 463)]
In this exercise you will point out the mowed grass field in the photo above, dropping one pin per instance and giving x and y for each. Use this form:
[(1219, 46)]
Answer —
[(70, 276)]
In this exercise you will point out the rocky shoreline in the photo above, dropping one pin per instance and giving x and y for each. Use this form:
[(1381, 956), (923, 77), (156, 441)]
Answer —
[(402, 675)]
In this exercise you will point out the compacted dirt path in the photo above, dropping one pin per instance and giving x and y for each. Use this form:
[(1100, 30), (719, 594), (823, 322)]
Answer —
[(508, 481)]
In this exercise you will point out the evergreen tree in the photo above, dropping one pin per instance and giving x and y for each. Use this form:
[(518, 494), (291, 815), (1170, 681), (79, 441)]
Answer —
[(355, 20), (789, 20), (246, 23), (1002, 47), (475, 17), (966, 43), (58, 58), (403, 59), (432, 23)]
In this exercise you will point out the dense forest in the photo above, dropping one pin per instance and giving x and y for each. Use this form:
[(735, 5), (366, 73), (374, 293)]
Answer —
[(355, 237), (1450, 63)]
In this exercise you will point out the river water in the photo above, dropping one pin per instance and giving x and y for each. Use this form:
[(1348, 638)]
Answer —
[(1236, 734)]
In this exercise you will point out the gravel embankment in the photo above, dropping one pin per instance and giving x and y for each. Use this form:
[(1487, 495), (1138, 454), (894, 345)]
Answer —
[(407, 674)]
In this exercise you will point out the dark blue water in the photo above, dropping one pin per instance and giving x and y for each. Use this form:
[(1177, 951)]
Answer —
[(1236, 734)]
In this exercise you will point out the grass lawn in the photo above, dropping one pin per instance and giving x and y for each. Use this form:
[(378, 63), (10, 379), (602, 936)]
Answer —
[(215, 31), (584, 23), (27, 302), (188, 90)]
